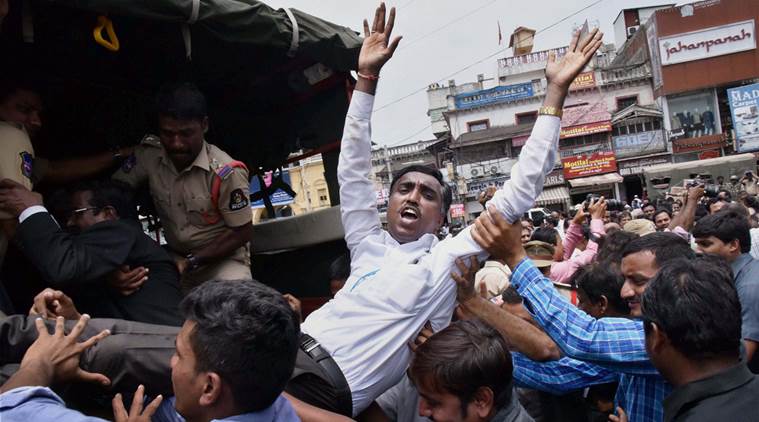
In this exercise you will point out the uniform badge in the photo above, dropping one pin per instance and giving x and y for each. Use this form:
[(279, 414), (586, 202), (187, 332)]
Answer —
[(237, 200), (27, 163), (129, 163)]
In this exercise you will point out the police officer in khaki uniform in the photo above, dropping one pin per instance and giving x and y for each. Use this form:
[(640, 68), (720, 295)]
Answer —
[(200, 192)]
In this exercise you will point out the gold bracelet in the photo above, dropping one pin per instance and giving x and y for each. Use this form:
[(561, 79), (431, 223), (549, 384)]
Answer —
[(550, 111)]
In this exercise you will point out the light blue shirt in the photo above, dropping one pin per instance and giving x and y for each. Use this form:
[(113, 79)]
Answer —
[(25, 404)]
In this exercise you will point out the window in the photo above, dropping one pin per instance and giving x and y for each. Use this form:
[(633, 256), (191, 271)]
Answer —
[(624, 102), (529, 117), (478, 125), (694, 114), (323, 198)]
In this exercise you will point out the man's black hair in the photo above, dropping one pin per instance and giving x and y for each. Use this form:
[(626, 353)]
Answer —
[(340, 268), (551, 221), (665, 246), (511, 296), (610, 253), (105, 192), (663, 210), (648, 205), (546, 234), (599, 279), (460, 359), (694, 302), (447, 197), (247, 334), (181, 101), (726, 226), (11, 84)]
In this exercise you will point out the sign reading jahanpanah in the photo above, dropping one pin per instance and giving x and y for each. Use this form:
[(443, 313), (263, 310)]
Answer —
[(706, 43), (586, 129), (589, 164)]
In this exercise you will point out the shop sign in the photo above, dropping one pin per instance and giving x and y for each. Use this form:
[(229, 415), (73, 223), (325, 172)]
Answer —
[(706, 43), (586, 129), (495, 95), (629, 168), (583, 80), (640, 143), (589, 164), (482, 184), (555, 178), (457, 211), (703, 143), (382, 196), (585, 113), (709, 154), (744, 106)]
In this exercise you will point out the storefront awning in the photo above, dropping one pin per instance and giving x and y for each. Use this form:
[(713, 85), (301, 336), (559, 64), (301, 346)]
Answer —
[(556, 195), (602, 179)]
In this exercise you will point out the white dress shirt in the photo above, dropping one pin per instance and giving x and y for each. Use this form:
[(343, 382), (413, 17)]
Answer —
[(394, 288)]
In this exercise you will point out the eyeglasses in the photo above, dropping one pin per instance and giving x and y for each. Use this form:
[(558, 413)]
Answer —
[(78, 212)]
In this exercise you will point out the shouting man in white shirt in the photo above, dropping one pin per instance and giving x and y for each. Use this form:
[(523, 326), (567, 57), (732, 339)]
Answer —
[(355, 346)]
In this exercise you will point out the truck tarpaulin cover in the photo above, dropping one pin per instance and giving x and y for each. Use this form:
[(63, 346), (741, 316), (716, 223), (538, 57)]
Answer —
[(268, 93)]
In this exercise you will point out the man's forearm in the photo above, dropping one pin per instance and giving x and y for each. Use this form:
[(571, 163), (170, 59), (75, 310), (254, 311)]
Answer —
[(555, 96), (65, 171), (523, 336), (35, 374), (225, 244)]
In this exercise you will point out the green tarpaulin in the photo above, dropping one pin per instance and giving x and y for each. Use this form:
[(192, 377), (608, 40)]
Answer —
[(268, 94)]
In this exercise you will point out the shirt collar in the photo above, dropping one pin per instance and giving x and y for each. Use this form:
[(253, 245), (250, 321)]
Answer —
[(688, 394), (201, 161), (740, 262), (280, 410)]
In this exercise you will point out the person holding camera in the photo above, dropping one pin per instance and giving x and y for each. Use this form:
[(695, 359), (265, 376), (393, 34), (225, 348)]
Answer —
[(563, 270), (748, 181)]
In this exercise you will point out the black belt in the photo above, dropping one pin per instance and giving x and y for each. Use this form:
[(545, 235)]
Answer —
[(335, 376)]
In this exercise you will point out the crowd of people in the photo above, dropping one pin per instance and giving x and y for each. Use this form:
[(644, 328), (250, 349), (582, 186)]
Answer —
[(650, 314)]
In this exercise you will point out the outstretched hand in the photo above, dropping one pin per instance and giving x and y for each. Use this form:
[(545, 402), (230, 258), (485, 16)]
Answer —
[(57, 355), (563, 71), (377, 48)]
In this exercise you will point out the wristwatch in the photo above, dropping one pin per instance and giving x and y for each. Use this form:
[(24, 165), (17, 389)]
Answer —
[(550, 111), (192, 262)]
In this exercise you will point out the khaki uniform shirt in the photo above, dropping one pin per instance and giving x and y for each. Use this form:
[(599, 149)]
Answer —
[(495, 276), (16, 163), (183, 199)]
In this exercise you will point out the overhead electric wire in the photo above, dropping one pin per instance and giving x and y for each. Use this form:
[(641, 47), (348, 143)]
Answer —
[(469, 66)]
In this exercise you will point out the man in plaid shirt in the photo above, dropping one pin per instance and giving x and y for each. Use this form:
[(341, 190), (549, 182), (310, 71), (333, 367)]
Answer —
[(615, 344)]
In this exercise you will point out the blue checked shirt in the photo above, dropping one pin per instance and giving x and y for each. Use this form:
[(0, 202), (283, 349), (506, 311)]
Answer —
[(558, 377), (616, 344)]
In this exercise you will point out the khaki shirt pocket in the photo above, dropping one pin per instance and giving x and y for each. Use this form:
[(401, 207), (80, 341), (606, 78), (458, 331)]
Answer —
[(201, 213)]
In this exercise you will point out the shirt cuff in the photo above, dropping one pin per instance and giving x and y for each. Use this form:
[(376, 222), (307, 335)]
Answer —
[(34, 209), (361, 105)]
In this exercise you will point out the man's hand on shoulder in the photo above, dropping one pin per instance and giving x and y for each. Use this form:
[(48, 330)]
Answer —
[(15, 198), (498, 237), (126, 280)]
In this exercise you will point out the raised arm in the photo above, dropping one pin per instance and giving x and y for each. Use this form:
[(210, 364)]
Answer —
[(616, 343), (539, 153), (358, 203)]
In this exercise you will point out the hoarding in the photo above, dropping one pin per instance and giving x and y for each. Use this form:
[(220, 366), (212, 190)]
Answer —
[(640, 143), (495, 95), (589, 164), (279, 197), (744, 107), (707, 43)]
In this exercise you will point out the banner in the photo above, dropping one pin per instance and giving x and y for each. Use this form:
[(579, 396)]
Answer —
[(706, 43), (744, 106), (629, 168), (586, 129), (583, 80), (589, 164), (279, 197), (495, 95), (640, 143), (457, 211)]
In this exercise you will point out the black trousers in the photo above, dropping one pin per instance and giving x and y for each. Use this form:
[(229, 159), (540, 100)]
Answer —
[(311, 384)]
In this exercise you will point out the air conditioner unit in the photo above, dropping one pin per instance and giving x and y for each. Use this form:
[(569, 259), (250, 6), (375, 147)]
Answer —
[(632, 30), (474, 172), (494, 170)]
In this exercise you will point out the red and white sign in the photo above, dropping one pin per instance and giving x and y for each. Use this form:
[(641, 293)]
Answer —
[(457, 210), (589, 164), (583, 80), (709, 42)]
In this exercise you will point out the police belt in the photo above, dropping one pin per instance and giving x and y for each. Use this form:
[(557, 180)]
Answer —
[(334, 375)]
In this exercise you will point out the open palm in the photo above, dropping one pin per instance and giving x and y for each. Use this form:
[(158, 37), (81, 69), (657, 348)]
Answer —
[(563, 71), (377, 48)]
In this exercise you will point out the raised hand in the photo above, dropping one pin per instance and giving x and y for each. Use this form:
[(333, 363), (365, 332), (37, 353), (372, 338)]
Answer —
[(465, 281), (563, 71), (136, 412), (377, 48), (57, 355)]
